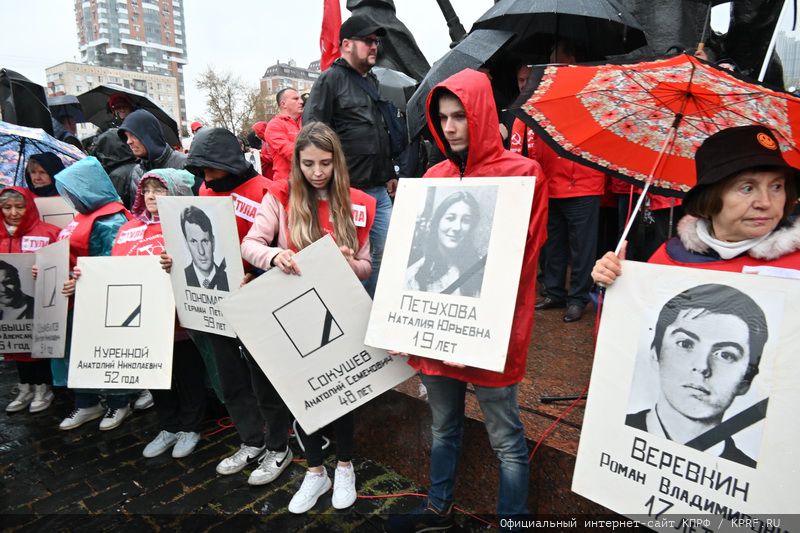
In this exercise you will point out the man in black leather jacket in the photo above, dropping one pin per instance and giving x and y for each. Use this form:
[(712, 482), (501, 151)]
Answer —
[(340, 100)]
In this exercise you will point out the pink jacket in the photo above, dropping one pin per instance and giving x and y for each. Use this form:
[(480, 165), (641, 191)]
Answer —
[(272, 218)]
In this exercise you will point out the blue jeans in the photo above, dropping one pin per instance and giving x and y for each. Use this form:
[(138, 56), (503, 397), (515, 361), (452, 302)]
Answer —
[(377, 234), (506, 435), (113, 401)]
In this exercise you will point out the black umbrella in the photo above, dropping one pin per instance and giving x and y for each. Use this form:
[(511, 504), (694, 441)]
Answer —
[(473, 52), (95, 107), (395, 86), (602, 26), (66, 106), (23, 102)]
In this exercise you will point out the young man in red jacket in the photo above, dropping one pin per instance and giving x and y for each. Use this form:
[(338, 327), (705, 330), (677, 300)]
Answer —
[(462, 118)]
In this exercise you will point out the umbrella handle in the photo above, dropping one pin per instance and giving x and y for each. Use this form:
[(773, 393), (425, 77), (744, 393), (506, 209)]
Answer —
[(633, 215), (647, 183)]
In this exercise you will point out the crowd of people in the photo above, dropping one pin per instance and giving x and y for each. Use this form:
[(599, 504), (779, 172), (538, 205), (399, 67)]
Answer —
[(330, 156)]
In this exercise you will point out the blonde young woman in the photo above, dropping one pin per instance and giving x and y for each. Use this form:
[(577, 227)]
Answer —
[(315, 201)]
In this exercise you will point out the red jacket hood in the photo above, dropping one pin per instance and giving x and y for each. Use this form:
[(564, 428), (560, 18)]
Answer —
[(474, 90), (31, 217)]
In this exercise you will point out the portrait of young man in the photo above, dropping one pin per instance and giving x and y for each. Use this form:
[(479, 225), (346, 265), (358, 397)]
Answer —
[(707, 345), (199, 235), (14, 304)]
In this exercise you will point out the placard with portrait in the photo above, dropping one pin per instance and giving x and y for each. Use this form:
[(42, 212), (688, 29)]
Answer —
[(200, 234), (16, 302), (691, 412), (450, 271)]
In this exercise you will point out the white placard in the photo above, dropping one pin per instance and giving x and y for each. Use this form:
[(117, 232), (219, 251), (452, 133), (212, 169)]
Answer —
[(50, 306), (55, 210), (450, 273), (677, 426), (16, 302), (122, 334), (207, 253), (307, 334)]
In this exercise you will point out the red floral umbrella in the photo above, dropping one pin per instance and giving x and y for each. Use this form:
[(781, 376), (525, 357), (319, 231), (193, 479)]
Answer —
[(644, 122)]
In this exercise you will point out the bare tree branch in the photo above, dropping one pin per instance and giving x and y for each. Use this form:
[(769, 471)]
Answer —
[(232, 104)]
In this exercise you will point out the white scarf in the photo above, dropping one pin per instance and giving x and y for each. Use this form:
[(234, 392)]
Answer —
[(726, 250)]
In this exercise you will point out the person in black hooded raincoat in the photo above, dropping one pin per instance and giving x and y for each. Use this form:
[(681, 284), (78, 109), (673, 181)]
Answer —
[(215, 155), (118, 161), (143, 134)]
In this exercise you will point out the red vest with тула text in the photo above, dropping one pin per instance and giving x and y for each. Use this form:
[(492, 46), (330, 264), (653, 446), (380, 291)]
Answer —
[(80, 229), (362, 206), (246, 201), (137, 238)]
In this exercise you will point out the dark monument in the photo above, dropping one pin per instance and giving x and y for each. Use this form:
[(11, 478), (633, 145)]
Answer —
[(399, 50)]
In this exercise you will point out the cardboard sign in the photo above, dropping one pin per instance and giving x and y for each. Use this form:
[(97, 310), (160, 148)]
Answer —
[(307, 334), (122, 334), (55, 210), (50, 306), (200, 234), (451, 268), (692, 409), (16, 302)]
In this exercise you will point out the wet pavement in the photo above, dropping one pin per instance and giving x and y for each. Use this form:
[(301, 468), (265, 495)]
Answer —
[(87, 479)]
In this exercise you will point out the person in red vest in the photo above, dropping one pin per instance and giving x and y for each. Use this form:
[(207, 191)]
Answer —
[(738, 215), (317, 200), (282, 130), (23, 232), (180, 409), (739, 219), (463, 121), (251, 400), (87, 187)]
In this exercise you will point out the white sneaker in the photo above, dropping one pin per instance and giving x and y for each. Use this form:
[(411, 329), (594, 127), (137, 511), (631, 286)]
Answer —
[(23, 399), (163, 442), (314, 486), (114, 418), (240, 459), (42, 398), (270, 467), (144, 401), (187, 440), (79, 416), (344, 487)]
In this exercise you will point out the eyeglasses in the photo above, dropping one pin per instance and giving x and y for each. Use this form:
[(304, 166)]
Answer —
[(368, 41)]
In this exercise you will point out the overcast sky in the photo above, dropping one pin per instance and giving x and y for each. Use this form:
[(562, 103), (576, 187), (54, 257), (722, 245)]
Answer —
[(242, 36)]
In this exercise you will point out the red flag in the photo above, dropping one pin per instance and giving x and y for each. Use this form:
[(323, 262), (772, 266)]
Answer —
[(329, 36)]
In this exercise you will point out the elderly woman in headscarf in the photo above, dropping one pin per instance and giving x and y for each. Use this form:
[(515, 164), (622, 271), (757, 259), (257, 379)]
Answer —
[(23, 232), (180, 410), (738, 214), (40, 173)]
